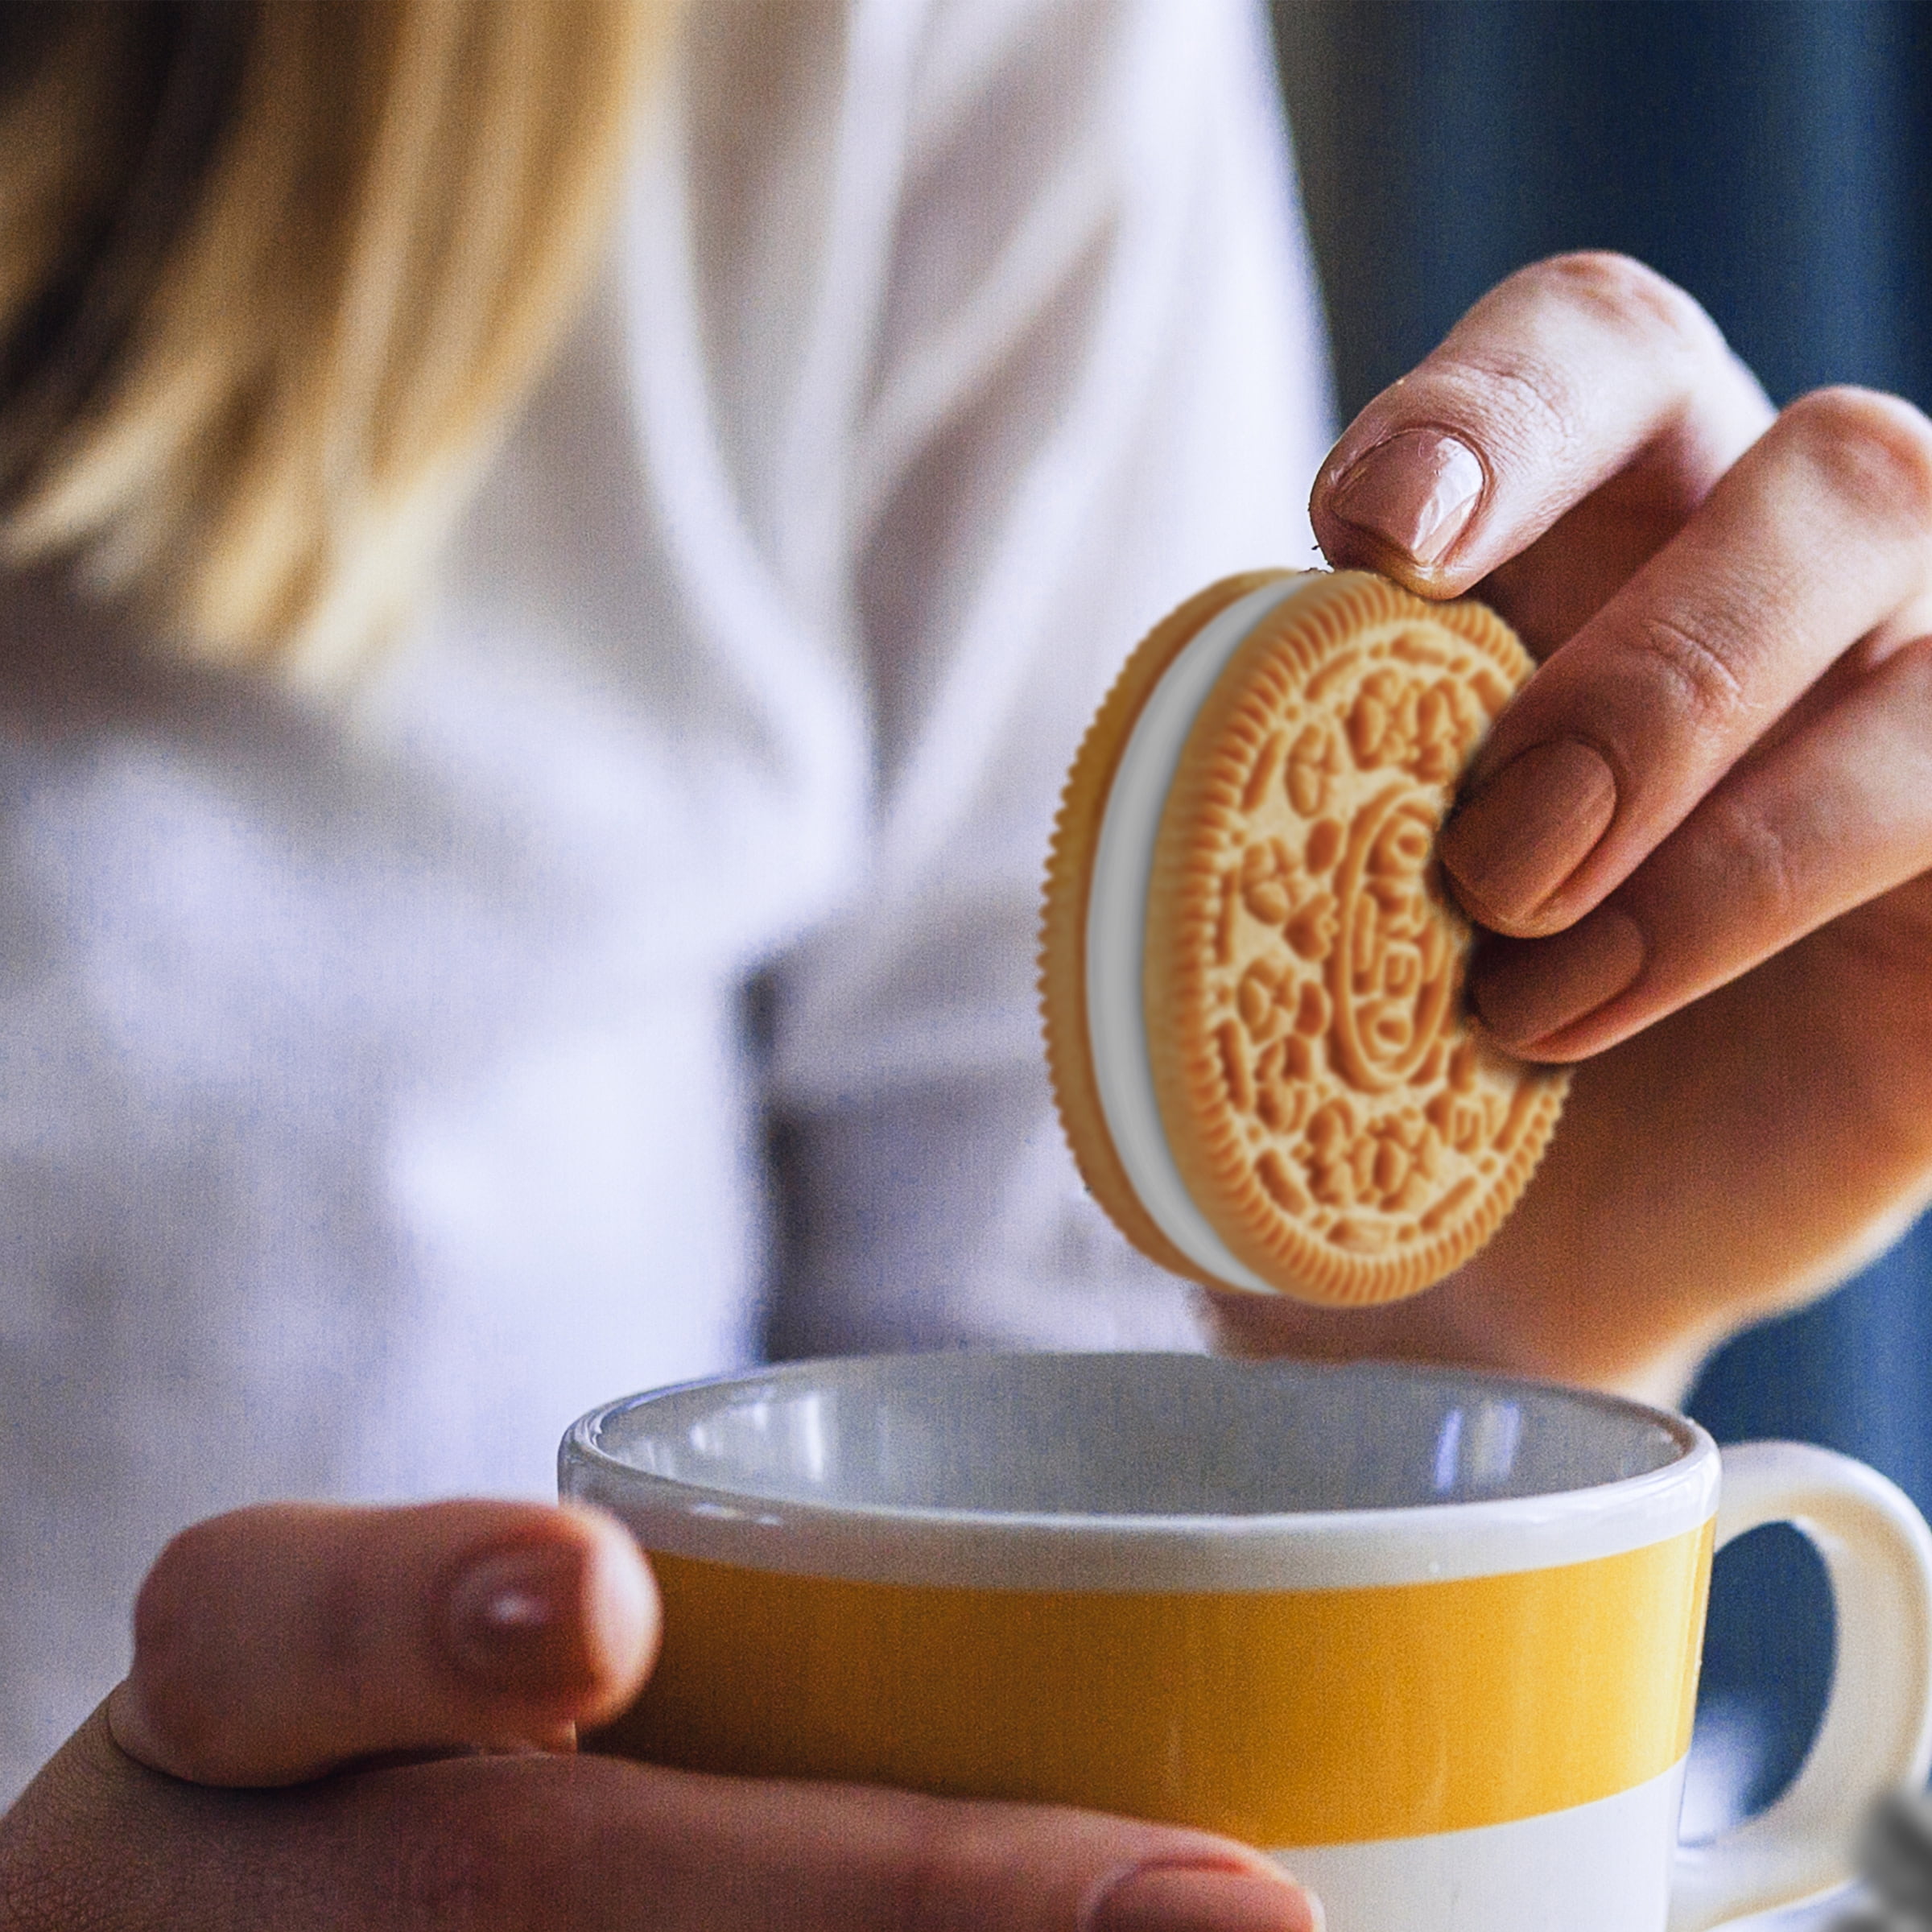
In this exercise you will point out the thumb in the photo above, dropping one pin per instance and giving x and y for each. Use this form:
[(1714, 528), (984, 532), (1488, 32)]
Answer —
[(714, 1854), (275, 1643)]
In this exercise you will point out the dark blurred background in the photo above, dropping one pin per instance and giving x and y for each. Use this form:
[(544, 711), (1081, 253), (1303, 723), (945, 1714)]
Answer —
[(1774, 158)]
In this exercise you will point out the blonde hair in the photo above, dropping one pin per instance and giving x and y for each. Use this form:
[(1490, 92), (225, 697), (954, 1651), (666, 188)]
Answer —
[(273, 276)]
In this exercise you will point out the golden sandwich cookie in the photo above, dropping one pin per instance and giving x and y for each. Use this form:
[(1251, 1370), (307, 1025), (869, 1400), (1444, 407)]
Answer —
[(1251, 976)]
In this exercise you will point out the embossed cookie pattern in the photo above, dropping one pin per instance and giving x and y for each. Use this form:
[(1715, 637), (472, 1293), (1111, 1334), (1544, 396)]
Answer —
[(1329, 1105)]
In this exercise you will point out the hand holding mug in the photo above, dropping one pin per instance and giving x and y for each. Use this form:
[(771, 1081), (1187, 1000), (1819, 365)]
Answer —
[(363, 1718)]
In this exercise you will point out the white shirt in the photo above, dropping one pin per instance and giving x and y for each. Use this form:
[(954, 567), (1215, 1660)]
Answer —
[(377, 1089)]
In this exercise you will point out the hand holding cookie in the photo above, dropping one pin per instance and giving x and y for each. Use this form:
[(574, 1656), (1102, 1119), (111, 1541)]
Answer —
[(1701, 832), (1252, 979)]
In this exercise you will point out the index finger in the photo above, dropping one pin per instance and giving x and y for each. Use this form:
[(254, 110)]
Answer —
[(1557, 380), (273, 1644)]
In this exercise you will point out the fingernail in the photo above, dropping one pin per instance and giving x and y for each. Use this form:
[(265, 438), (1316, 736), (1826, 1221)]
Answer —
[(1204, 1898), (1417, 492), (1526, 989), (1515, 840), (515, 1621)]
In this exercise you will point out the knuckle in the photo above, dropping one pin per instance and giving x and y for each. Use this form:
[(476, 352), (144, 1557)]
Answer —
[(933, 1888), (517, 1845), (453, 1879), (1873, 451), (1632, 297), (1756, 862), (1543, 396), (446, 1863), (1518, 397), (1703, 683), (957, 1869)]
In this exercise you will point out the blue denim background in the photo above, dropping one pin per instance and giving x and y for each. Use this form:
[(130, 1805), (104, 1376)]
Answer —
[(1774, 157)]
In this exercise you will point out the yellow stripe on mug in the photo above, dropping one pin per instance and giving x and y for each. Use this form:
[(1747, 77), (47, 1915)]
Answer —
[(1284, 1717)]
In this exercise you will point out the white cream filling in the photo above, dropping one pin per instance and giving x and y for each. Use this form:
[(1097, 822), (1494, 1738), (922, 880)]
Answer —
[(1116, 933)]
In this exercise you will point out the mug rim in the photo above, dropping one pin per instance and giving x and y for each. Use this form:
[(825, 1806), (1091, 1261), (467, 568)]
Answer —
[(889, 1542)]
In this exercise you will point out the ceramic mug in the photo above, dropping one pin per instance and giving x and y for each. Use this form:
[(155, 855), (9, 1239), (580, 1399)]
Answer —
[(1430, 1636)]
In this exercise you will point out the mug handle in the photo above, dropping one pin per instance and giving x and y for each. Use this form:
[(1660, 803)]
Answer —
[(1876, 1734)]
